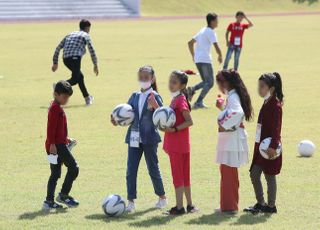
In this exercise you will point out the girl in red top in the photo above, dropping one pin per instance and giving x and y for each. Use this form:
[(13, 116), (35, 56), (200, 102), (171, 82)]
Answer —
[(177, 143), (269, 125)]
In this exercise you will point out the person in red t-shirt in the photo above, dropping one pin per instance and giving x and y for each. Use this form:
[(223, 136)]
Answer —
[(234, 44), (177, 143), (58, 147)]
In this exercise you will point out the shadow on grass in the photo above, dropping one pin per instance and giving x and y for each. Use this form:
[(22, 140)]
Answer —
[(33, 215), (153, 221), (211, 219), (310, 2), (249, 219), (128, 216)]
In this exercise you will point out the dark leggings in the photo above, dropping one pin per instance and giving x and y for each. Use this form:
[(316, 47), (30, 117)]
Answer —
[(65, 157), (74, 64)]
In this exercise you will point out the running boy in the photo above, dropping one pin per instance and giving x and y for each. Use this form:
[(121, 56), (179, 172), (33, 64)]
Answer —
[(234, 44), (205, 38), (74, 47), (58, 151)]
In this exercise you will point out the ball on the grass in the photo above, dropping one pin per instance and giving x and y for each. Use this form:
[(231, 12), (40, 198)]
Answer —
[(306, 148), (114, 206), (164, 117), (123, 114)]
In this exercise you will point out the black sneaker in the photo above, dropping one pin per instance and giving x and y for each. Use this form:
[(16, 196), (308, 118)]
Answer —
[(192, 209), (47, 205), (190, 93), (254, 209), (68, 200), (268, 209), (176, 212)]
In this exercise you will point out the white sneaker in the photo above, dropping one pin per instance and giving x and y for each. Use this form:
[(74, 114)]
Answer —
[(162, 203), (130, 207), (89, 100)]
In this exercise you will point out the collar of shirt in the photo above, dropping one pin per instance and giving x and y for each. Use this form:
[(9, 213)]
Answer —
[(231, 92), (142, 100)]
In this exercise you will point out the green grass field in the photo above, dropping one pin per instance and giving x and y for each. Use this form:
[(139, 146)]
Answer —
[(289, 45)]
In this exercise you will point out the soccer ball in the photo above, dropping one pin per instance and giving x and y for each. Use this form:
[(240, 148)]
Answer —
[(264, 145), (114, 206), (306, 148), (123, 114), (164, 117)]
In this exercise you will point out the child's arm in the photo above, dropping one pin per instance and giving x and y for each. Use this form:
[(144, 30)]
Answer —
[(276, 131), (51, 130), (232, 117), (187, 123), (250, 24), (227, 37), (56, 55)]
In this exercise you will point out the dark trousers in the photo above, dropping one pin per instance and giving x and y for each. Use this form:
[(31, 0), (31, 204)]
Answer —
[(134, 157), (74, 64), (64, 157)]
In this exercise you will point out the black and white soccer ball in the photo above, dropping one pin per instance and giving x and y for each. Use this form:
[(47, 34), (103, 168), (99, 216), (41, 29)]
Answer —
[(164, 117), (114, 205), (123, 114)]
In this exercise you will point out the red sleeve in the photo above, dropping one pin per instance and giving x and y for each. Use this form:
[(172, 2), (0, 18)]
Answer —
[(183, 105), (245, 26), (276, 124), (229, 27), (53, 116)]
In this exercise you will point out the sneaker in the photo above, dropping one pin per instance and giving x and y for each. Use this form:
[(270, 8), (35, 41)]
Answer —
[(68, 200), (199, 106), (254, 209), (176, 212), (47, 205), (89, 100), (162, 203), (131, 207), (192, 209), (268, 209), (190, 93), (71, 144)]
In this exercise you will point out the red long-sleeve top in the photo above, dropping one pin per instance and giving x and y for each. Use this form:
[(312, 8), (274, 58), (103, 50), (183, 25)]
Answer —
[(57, 130), (270, 118)]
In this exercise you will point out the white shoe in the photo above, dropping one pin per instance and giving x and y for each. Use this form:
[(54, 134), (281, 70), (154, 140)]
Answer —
[(89, 100), (162, 203), (131, 207)]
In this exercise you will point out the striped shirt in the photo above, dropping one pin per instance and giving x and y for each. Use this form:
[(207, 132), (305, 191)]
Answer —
[(74, 44)]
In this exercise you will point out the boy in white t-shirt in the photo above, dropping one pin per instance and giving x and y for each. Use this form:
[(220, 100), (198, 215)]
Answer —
[(205, 38)]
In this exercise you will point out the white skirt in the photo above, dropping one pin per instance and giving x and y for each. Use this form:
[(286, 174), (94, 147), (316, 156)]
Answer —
[(232, 148)]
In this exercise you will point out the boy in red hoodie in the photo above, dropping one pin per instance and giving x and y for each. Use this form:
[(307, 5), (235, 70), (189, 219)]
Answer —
[(58, 149)]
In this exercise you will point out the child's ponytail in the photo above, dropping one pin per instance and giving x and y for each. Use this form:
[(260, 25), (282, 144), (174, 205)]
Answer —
[(278, 86)]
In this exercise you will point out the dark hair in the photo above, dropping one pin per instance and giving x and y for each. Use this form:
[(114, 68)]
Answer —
[(150, 70), (211, 17), (239, 13), (63, 87), (84, 23), (235, 81), (183, 79), (273, 80)]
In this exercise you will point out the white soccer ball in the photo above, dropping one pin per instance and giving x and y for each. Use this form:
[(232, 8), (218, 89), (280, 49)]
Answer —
[(264, 145), (306, 148), (123, 114), (114, 205), (164, 117)]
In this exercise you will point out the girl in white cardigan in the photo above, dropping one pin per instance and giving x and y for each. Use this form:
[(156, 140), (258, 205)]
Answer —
[(232, 147)]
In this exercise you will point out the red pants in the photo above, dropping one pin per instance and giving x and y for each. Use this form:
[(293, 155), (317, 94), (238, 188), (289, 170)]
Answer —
[(180, 169), (229, 187)]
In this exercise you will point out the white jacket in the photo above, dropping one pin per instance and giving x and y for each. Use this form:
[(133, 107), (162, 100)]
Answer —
[(232, 147)]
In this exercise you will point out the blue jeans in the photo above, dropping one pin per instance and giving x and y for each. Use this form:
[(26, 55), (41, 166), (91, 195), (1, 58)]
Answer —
[(237, 51), (206, 74), (134, 157)]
